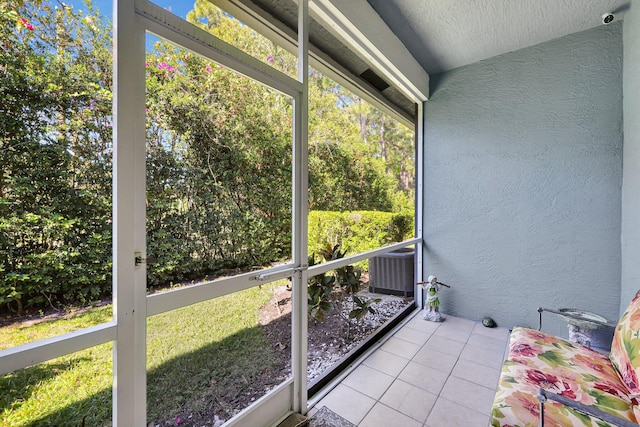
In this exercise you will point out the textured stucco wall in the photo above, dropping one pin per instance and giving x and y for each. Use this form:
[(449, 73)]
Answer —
[(523, 174), (631, 168)]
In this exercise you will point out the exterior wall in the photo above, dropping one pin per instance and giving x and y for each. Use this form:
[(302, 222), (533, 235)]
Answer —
[(522, 183), (631, 168)]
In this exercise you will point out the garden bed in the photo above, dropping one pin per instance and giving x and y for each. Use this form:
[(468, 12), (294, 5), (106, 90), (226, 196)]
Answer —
[(228, 353), (329, 341)]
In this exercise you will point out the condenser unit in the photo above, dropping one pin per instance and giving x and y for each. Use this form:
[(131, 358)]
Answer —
[(392, 273)]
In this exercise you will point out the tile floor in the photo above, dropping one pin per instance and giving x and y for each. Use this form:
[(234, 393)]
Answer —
[(426, 375)]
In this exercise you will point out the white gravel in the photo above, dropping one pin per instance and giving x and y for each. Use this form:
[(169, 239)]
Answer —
[(320, 359)]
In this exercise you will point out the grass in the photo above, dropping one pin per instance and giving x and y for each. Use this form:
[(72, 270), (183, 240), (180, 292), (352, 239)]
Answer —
[(195, 355), (22, 333), (63, 390)]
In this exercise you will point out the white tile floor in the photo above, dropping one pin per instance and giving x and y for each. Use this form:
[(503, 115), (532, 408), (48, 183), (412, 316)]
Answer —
[(426, 375)]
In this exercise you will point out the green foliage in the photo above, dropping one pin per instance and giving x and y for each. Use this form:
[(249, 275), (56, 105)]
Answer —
[(358, 231), (214, 20), (362, 307), (403, 202), (218, 158), (343, 172), (319, 290), (327, 292), (55, 183), (219, 180), (216, 342)]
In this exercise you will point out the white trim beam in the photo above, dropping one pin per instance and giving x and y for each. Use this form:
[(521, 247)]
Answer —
[(342, 262), (129, 213), (419, 204), (299, 334), (328, 66), (360, 27), (170, 27), (25, 355), (182, 297), (274, 405)]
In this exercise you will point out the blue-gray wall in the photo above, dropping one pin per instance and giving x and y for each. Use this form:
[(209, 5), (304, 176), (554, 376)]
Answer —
[(631, 176), (523, 175)]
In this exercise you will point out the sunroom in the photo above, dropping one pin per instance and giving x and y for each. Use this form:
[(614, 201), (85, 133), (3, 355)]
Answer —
[(527, 172)]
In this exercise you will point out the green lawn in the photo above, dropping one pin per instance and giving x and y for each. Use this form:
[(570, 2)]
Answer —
[(195, 355)]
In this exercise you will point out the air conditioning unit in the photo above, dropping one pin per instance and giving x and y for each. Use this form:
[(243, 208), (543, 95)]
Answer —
[(393, 273)]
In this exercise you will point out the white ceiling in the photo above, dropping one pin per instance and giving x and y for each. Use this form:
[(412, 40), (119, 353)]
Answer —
[(445, 34)]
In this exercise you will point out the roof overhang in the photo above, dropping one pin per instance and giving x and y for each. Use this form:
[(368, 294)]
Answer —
[(350, 43)]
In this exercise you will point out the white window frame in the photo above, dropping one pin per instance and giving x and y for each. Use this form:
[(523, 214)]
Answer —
[(132, 307)]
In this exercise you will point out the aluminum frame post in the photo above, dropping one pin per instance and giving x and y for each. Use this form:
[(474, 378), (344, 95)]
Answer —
[(300, 214), (129, 280), (419, 204)]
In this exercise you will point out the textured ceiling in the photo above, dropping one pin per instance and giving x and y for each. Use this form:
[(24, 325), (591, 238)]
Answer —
[(445, 34)]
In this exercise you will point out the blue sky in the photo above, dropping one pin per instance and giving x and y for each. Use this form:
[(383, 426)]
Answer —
[(178, 7)]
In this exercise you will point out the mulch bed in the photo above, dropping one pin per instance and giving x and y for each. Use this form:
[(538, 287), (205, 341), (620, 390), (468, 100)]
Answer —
[(328, 342)]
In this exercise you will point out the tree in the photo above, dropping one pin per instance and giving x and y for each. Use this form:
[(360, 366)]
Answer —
[(218, 156), (219, 161), (55, 199), (344, 171)]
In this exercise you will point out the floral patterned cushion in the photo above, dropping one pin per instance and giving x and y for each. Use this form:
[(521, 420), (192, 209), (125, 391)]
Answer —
[(537, 359), (625, 348)]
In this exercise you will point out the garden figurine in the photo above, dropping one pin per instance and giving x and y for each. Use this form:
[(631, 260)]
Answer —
[(432, 302)]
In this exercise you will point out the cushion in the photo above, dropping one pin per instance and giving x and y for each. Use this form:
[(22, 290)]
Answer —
[(625, 348), (537, 359)]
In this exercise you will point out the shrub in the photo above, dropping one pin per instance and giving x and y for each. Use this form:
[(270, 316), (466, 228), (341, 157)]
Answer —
[(358, 231), (329, 291)]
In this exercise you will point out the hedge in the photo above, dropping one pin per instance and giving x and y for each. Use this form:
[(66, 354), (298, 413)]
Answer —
[(358, 231)]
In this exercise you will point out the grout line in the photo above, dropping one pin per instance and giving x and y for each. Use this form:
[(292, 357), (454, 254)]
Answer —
[(450, 374), (439, 396), (338, 379), (412, 317), (366, 413)]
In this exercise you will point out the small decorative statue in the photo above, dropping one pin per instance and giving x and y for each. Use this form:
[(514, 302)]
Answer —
[(431, 310)]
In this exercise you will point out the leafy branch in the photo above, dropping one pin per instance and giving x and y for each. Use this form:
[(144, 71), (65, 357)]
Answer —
[(328, 292)]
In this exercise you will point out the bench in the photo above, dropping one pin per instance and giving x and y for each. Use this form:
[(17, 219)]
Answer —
[(572, 385)]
